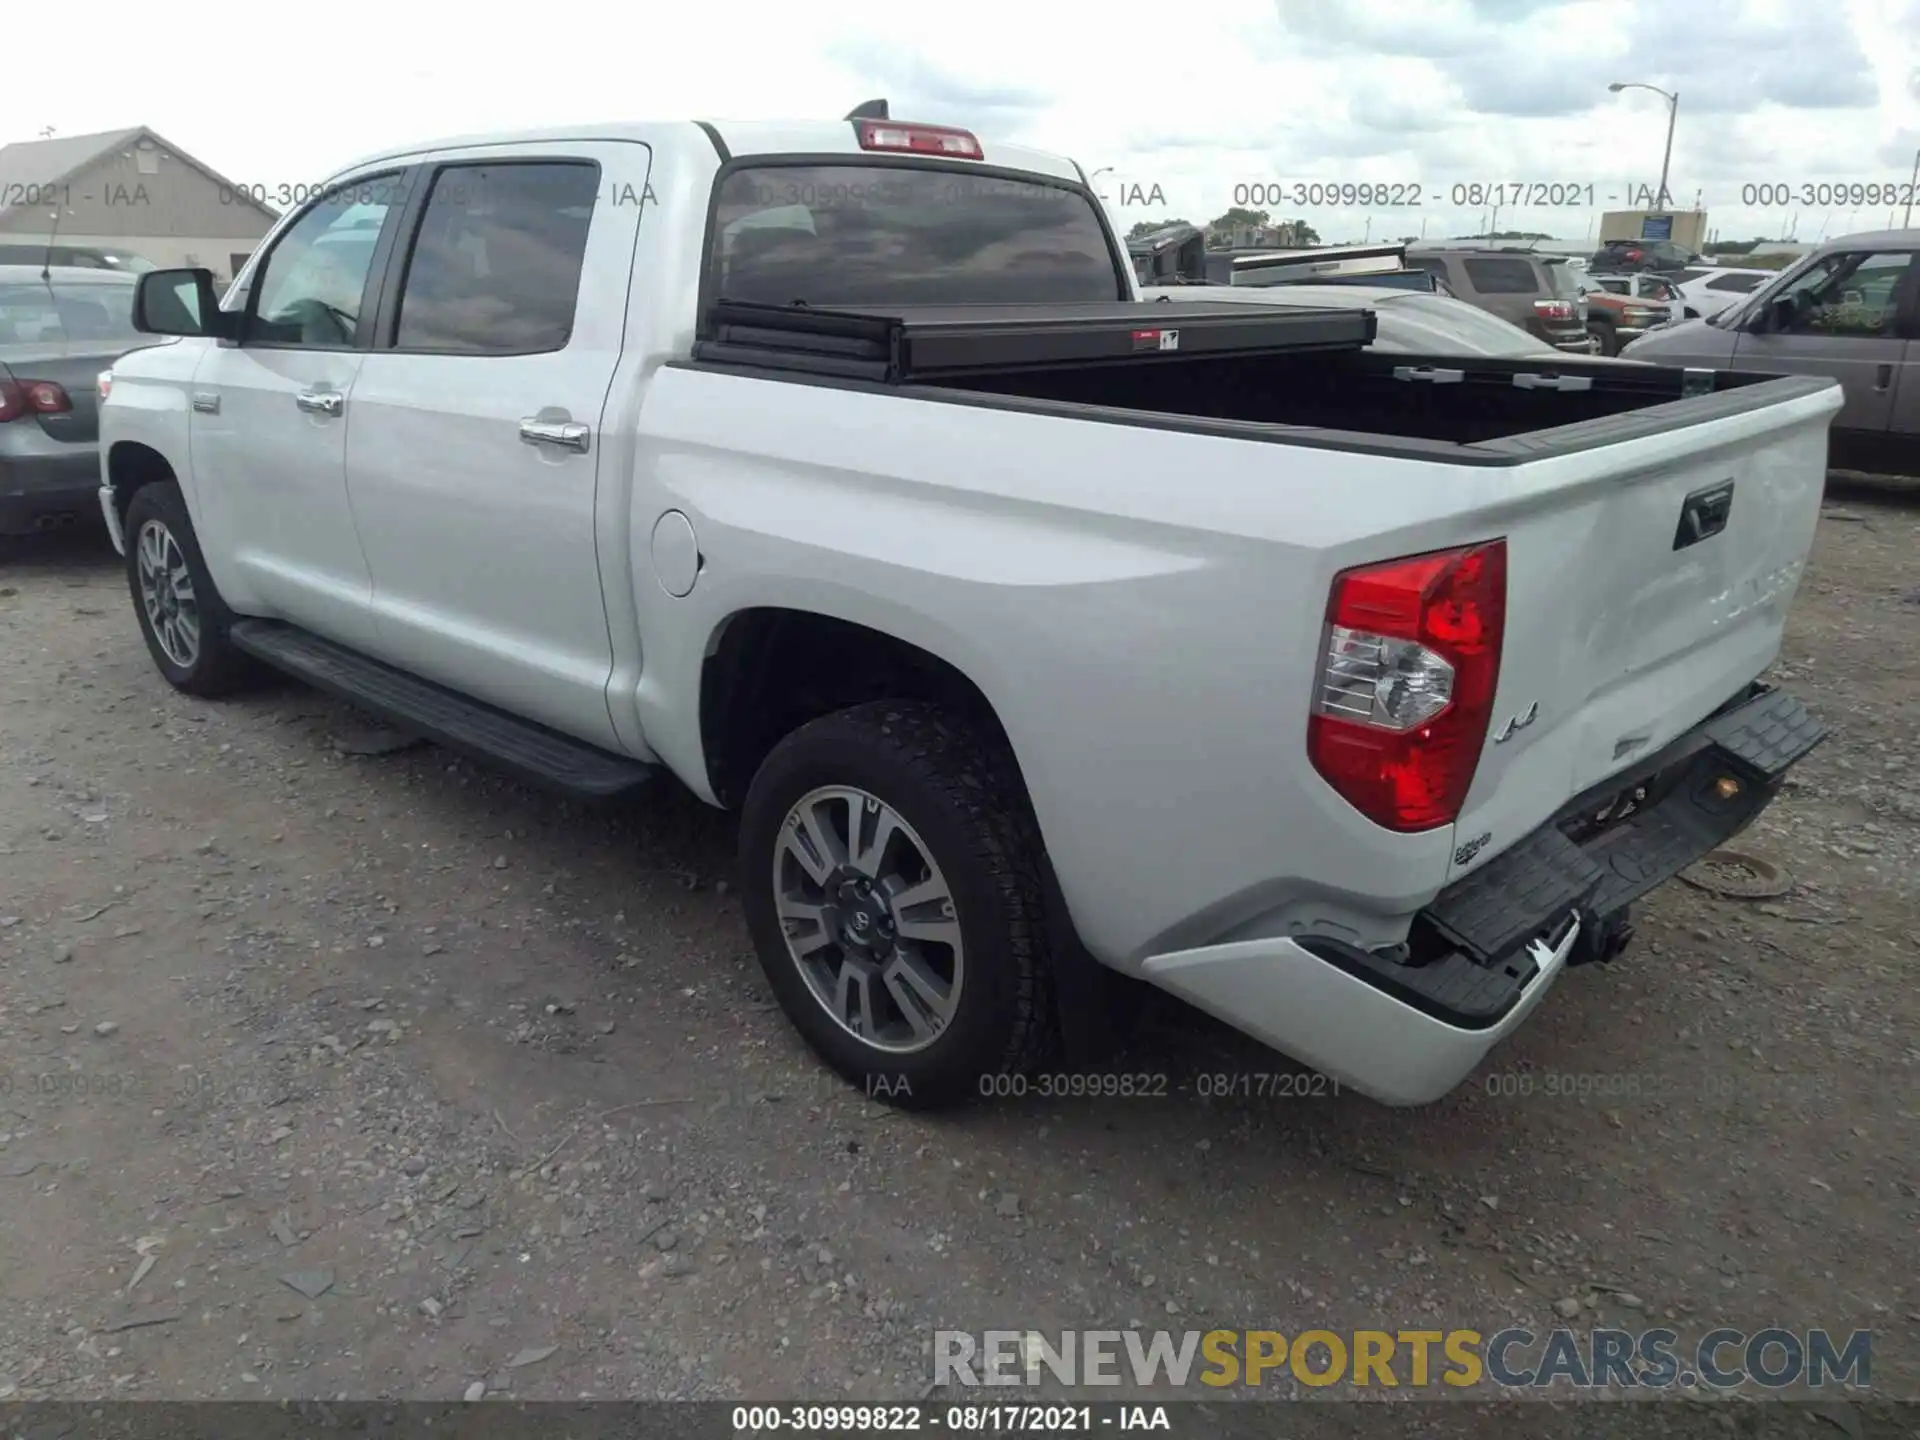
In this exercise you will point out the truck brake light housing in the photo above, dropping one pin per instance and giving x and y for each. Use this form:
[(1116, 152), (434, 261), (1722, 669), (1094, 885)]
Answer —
[(904, 138), (1403, 696)]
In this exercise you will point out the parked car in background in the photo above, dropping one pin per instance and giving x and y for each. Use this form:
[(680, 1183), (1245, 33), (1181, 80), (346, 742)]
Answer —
[(81, 257), (1628, 255), (1537, 292), (1847, 311), (1649, 285), (58, 331), (1614, 319), (1709, 289), (1407, 322), (1171, 255), (1381, 266)]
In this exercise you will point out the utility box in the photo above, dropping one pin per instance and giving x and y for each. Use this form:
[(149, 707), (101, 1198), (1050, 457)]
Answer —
[(1682, 227)]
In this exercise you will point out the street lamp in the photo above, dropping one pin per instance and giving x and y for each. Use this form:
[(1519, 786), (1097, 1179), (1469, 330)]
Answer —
[(1910, 184), (1103, 170), (1673, 112)]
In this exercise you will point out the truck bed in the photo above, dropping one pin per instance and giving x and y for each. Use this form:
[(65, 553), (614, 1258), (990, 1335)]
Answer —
[(1288, 373)]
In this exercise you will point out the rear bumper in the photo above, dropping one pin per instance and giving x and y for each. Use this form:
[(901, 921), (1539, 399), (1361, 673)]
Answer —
[(1407, 1026), (41, 491)]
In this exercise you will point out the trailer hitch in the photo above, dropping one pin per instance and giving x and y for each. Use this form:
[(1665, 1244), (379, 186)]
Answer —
[(1602, 938)]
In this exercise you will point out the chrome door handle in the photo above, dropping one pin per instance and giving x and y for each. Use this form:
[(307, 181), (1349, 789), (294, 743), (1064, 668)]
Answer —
[(321, 402), (206, 402), (567, 434)]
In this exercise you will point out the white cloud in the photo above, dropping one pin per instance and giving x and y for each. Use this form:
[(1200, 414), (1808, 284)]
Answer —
[(1195, 100)]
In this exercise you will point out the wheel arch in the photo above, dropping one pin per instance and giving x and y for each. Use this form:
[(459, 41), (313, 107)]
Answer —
[(769, 669), (131, 465)]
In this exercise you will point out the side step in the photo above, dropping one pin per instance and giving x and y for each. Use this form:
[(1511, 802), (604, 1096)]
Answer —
[(534, 753)]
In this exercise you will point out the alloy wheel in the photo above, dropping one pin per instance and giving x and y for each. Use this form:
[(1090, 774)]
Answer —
[(166, 592), (869, 919)]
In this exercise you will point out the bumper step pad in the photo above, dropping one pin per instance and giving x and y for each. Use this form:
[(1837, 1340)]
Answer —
[(1488, 915)]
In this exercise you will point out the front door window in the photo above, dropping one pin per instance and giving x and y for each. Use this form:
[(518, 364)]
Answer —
[(1856, 294)]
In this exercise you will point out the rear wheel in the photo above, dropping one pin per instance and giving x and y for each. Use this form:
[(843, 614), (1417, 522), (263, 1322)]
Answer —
[(1609, 341), (890, 875), (181, 614)]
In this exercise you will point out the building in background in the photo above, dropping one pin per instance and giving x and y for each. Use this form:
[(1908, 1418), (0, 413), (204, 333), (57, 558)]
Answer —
[(1682, 227), (127, 191)]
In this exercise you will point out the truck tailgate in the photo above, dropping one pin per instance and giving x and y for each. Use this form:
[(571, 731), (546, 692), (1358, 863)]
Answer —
[(1640, 603)]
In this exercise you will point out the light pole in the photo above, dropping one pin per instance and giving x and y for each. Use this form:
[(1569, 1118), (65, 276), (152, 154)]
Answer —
[(1673, 113), (1103, 170), (1908, 219)]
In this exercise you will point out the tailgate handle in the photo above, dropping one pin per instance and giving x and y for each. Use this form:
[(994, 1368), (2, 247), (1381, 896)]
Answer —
[(1531, 381), (1429, 374), (1704, 514)]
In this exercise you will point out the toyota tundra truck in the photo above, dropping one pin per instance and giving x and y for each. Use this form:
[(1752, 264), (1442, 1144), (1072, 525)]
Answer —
[(1045, 641)]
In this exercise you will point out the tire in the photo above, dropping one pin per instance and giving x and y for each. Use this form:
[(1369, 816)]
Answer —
[(955, 799), (159, 531), (1609, 341)]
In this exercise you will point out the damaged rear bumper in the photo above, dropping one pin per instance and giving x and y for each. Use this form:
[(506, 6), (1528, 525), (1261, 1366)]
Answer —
[(1407, 1025)]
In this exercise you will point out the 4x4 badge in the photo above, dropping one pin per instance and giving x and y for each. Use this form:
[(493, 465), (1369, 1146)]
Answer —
[(1518, 723)]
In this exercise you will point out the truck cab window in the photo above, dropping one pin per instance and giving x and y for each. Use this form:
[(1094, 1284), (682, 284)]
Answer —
[(495, 269), (312, 284), (853, 234), (1851, 294)]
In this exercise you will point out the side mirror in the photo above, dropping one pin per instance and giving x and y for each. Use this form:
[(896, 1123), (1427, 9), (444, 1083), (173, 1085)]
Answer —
[(180, 302)]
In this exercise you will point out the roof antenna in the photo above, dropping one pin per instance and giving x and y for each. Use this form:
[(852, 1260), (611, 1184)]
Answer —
[(869, 110), (46, 264)]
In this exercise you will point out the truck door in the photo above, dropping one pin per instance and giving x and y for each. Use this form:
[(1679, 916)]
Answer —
[(473, 455), (270, 415), (1846, 317)]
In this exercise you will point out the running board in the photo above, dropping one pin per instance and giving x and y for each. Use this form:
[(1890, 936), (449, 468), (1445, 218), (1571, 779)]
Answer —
[(536, 754)]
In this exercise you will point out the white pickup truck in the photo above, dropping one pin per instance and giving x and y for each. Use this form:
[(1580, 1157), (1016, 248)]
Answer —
[(1045, 640)]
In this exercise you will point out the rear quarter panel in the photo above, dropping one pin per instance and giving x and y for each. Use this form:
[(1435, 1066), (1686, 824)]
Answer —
[(1143, 609)]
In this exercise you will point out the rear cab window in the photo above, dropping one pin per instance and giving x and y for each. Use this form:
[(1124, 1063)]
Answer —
[(67, 314), (893, 235), (1507, 275), (28, 316), (1740, 284)]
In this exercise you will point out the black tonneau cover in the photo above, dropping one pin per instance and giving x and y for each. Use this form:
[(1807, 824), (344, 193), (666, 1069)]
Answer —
[(906, 344)]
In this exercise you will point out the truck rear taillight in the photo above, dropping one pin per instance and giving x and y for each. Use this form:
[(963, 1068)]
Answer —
[(1404, 692), (1553, 309), (32, 397), (917, 139)]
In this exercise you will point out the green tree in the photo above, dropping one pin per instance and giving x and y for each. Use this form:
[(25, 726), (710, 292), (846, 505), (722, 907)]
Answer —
[(1239, 216), (1147, 227)]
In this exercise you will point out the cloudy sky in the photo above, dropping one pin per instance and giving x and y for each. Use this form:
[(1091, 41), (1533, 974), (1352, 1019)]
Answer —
[(1200, 101)]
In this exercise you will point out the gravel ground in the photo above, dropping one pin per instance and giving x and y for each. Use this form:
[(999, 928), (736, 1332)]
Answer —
[(328, 1072)]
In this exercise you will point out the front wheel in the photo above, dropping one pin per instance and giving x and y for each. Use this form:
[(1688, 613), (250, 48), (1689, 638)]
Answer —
[(182, 617), (890, 871)]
